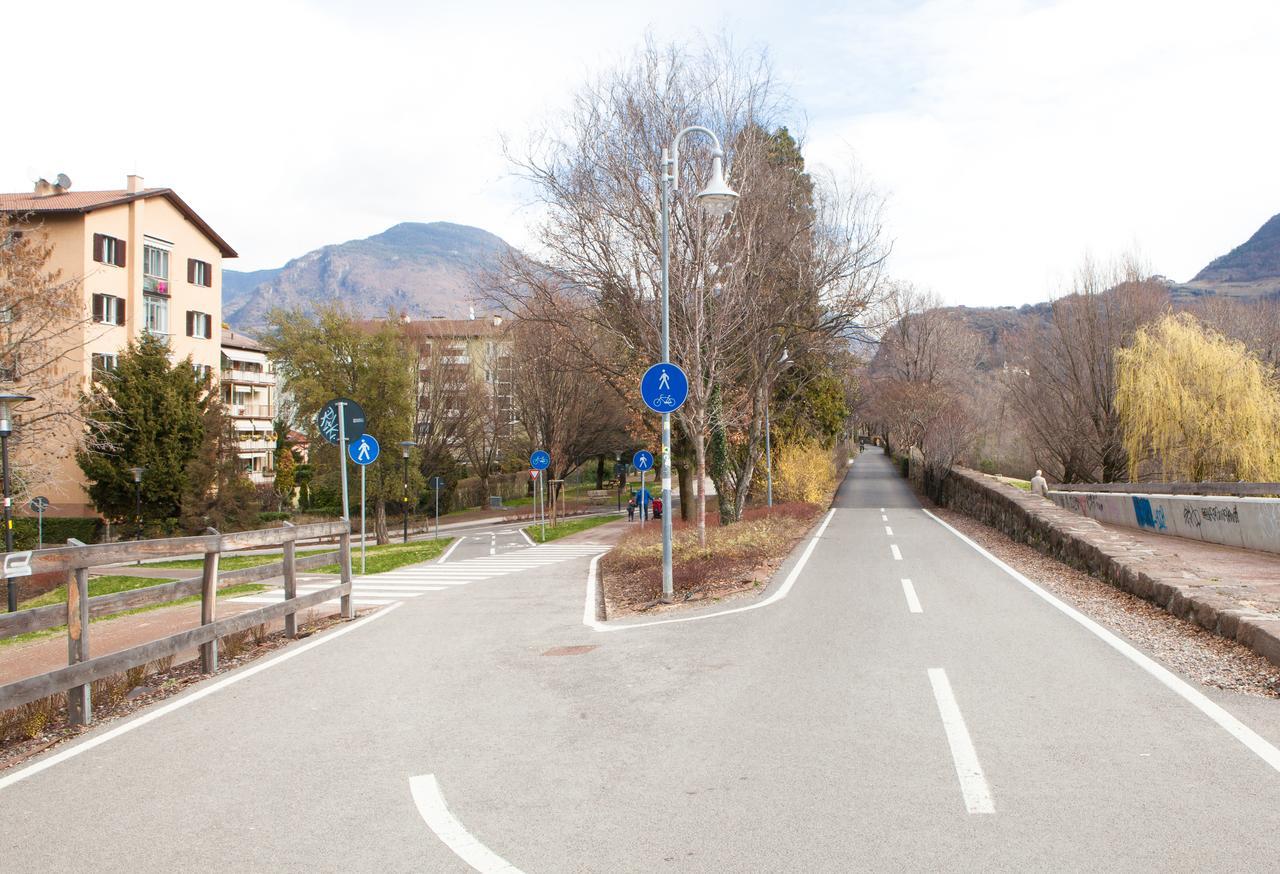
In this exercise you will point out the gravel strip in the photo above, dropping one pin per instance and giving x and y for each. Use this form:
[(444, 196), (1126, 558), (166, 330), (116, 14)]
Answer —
[(1199, 656)]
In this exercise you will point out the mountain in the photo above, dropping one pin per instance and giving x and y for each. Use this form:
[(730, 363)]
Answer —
[(419, 269), (1251, 269)]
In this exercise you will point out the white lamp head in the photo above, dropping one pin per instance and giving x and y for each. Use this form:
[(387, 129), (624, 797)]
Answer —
[(405, 446), (717, 198)]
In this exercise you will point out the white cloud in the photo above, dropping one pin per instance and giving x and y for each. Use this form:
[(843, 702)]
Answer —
[(1010, 136)]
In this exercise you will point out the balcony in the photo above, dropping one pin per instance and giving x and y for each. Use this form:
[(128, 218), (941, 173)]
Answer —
[(250, 376), (251, 411), (155, 285)]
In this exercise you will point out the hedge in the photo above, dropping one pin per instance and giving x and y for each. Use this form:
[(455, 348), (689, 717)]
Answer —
[(86, 529)]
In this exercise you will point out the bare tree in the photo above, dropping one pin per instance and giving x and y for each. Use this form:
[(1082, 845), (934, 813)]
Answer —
[(1062, 377), (44, 327)]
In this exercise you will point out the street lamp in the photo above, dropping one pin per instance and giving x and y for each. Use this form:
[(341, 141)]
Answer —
[(6, 428), (137, 497), (405, 446), (716, 199), (768, 453)]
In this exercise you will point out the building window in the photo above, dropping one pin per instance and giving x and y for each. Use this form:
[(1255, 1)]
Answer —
[(156, 319), (202, 371), (108, 250), (108, 310), (8, 314), (9, 367), (104, 362), (199, 273), (199, 325), (155, 270)]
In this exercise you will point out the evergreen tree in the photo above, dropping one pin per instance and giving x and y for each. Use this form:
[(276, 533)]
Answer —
[(148, 413), (286, 479), (218, 493)]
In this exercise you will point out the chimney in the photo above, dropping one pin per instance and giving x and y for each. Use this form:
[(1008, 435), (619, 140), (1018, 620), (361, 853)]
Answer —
[(133, 184), (471, 313), (44, 188)]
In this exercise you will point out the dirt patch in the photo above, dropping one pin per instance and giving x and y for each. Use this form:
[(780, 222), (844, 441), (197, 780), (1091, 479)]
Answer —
[(34, 728), (738, 560)]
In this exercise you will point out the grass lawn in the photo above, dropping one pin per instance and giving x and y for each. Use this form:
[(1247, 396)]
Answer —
[(234, 562), (379, 559), (569, 526), (115, 584)]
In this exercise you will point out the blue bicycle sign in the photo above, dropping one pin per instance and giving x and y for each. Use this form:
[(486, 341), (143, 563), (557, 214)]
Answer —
[(664, 388), (540, 459)]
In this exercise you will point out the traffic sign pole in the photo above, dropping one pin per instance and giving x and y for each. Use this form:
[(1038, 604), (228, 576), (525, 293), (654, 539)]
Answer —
[(437, 517), (362, 536), (642, 507)]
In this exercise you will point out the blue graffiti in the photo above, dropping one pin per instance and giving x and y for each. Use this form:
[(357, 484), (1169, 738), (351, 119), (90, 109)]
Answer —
[(1147, 518)]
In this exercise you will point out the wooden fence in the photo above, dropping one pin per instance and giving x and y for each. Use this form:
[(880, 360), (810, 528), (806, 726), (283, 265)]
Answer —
[(1243, 490), (76, 559)]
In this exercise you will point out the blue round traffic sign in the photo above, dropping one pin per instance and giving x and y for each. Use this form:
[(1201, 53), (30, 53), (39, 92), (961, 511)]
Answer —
[(540, 459), (352, 415), (364, 450), (642, 460), (664, 387)]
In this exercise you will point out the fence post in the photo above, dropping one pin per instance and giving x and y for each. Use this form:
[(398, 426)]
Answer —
[(209, 605), (344, 568), (79, 699), (290, 585)]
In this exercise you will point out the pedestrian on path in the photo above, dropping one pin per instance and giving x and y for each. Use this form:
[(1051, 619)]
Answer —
[(1039, 486), (631, 509)]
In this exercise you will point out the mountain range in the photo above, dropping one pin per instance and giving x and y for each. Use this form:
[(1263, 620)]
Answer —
[(1251, 269), (420, 270)]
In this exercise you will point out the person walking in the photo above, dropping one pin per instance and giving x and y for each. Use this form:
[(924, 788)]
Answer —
[(631, 509)]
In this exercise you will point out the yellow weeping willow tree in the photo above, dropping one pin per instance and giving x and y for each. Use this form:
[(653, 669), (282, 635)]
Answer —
[(1200, 405)]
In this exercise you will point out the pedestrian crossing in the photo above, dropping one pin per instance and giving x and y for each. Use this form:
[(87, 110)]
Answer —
[(410, 582)]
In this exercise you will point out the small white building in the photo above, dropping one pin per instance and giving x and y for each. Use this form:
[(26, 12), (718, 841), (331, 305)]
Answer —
[(249, 394)]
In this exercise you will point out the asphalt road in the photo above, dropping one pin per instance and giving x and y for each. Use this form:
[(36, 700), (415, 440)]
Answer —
[(833, 729)]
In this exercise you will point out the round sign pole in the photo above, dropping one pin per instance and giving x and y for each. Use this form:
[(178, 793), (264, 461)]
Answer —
[(362, 536), (437, 517)]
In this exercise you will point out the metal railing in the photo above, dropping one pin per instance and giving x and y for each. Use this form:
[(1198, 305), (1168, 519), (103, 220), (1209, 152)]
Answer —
[(75, 560)]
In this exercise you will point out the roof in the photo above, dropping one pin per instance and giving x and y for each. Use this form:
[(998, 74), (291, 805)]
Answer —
[(240, 341), (457, 328), (81, 202)]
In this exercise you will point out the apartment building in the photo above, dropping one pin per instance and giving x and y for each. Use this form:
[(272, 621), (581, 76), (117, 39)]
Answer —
[(148, 263), (248, 385)]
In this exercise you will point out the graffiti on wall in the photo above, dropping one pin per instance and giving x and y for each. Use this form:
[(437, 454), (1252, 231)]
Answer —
[(1148, 518)]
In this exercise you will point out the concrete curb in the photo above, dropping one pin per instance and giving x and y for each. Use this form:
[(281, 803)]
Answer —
[(1125, 563)]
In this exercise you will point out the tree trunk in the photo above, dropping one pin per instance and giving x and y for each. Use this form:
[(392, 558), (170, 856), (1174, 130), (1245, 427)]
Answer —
[(380, 521), (700, 454), (599, 472), (686, 491)]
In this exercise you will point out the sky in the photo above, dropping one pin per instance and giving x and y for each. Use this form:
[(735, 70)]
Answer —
[(1009, 138)]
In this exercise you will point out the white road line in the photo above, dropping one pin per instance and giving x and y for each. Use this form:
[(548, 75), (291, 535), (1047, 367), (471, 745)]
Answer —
[(201, 692), (526, 536), (435, 812), (973, 785), (1237, 729), (897, 553), (913, 603), (884, 518), (449, 551), (589, 611), (888, 530)]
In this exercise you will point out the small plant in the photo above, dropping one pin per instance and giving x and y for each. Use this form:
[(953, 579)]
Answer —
[(233, 645), (259, 634), (162, 665), (135, 676), (109, 691), (37, 715)]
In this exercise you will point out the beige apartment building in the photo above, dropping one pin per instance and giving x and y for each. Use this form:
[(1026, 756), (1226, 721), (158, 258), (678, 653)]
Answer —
[(147, 264), (248, 384)]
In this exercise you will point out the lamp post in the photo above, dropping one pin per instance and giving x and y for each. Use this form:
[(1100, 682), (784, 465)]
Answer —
[(768, 452), (137, 498), (405, 446), (6, 428), (716, 199)]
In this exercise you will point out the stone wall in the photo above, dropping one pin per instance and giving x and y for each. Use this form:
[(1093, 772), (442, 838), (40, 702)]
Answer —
[(1249, 523), (1084, 544)]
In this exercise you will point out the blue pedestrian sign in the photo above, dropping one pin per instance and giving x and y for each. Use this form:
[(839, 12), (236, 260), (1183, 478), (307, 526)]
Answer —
[(540, 459), (642, 460), (664, 387), (365, 450)]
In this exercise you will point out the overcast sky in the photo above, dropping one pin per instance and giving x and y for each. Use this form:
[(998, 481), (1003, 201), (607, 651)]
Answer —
[(1010, 138)]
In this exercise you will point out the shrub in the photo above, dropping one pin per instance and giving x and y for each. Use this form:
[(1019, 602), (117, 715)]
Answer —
[(274, 516), (86, 529), (805, 473)]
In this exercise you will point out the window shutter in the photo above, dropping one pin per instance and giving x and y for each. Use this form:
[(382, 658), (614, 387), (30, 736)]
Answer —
[(97, 248), (97, 307), (208, 275), (120, 311), (191, 270), (119, 253), (190, 322)]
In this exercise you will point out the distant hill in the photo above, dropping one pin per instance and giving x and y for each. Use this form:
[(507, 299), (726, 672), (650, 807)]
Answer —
[(1251, 269), (419, 269)]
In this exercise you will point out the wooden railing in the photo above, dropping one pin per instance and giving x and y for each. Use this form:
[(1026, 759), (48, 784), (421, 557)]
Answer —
[(1231, 489), (76, 559)]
